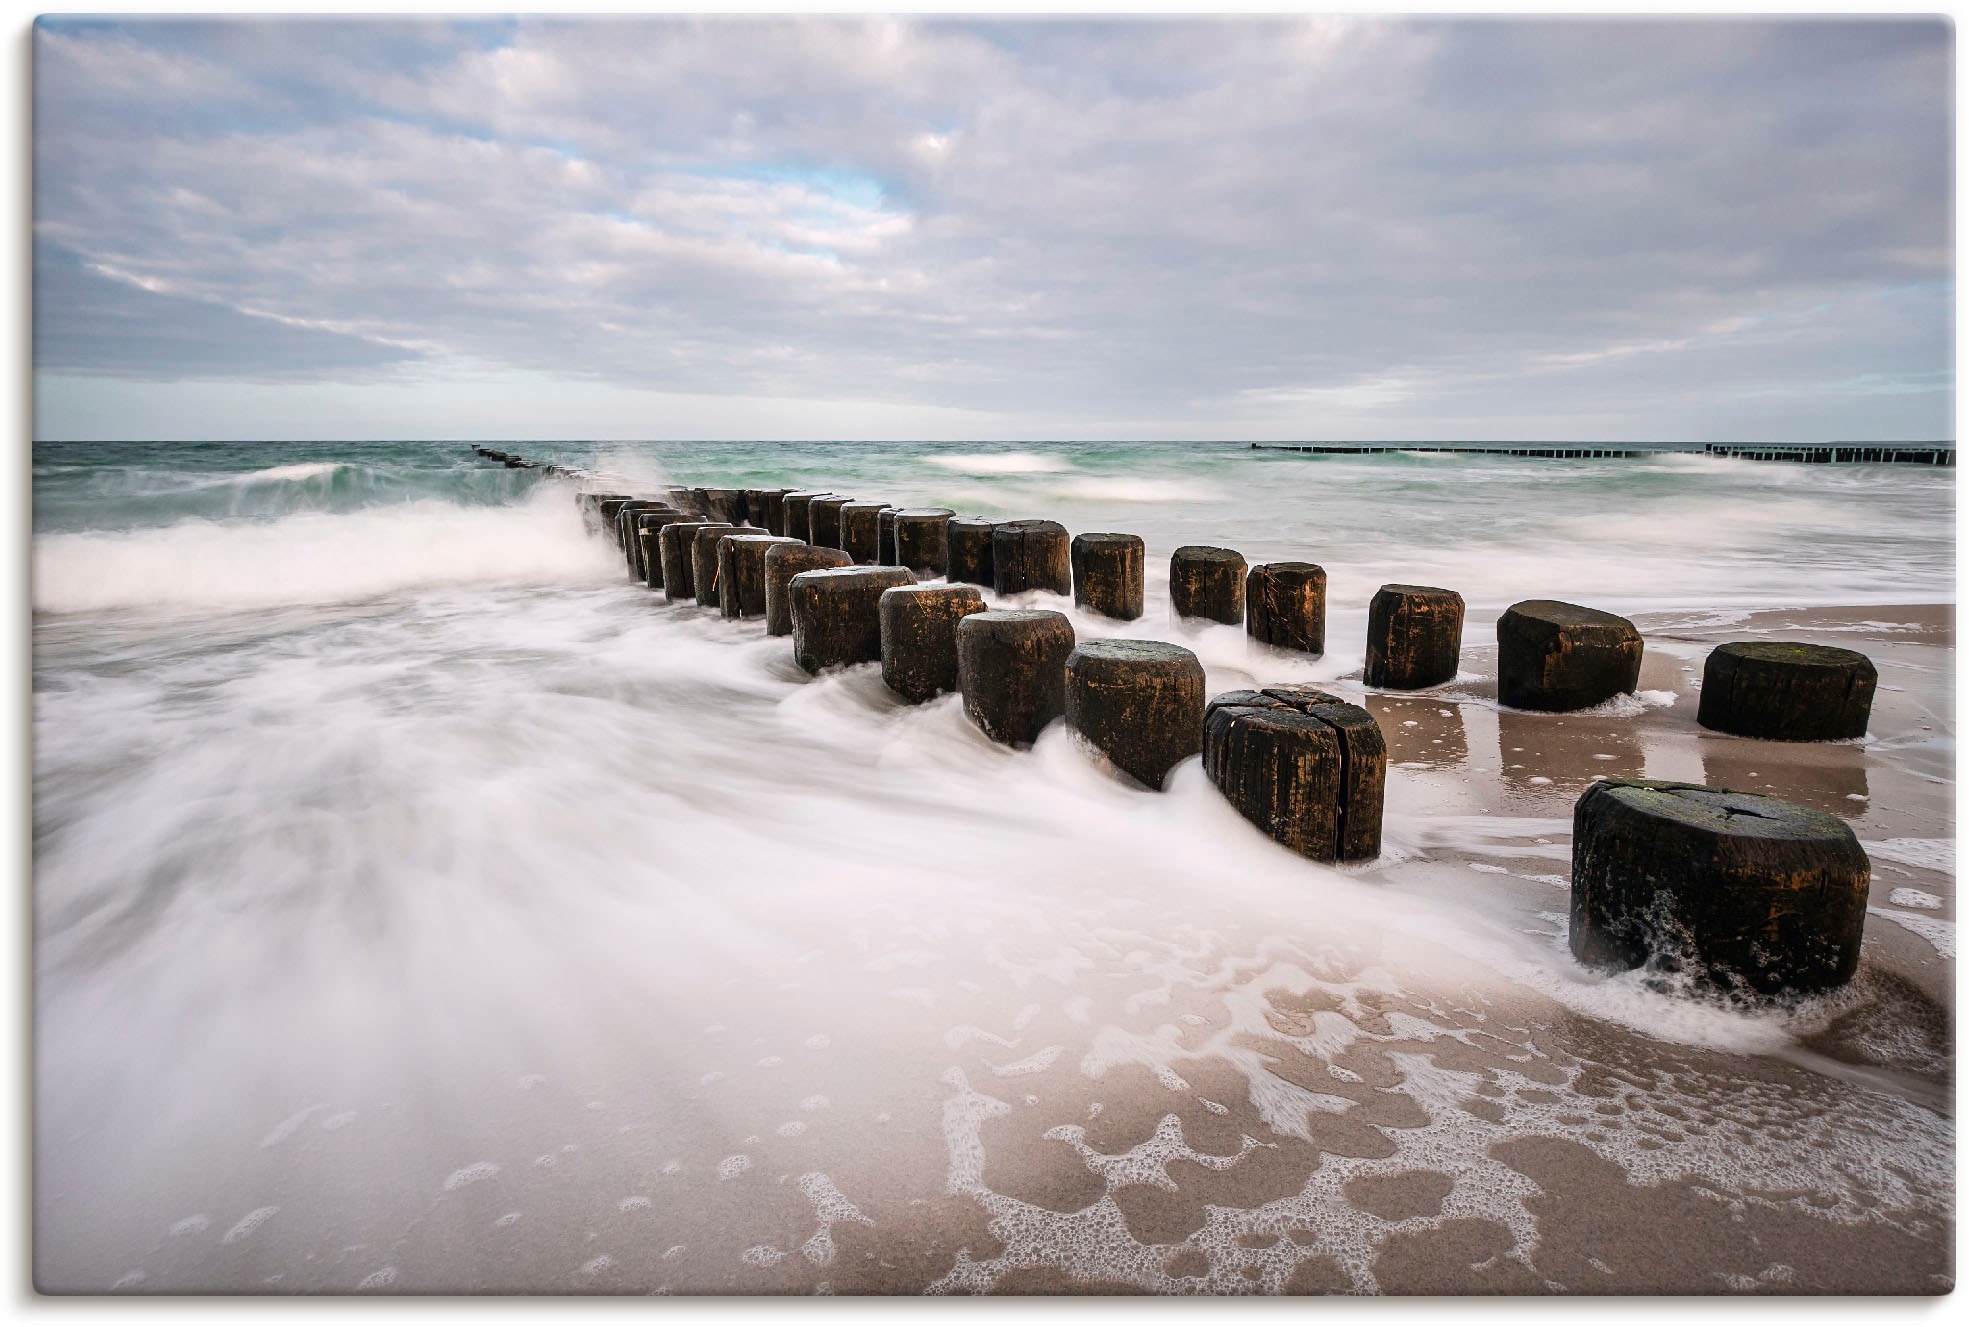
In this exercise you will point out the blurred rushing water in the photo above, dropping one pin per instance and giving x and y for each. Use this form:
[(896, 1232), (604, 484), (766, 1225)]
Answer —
[(421, 906)]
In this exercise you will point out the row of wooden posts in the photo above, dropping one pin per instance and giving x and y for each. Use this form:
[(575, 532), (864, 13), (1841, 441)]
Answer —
[(1738, 890)]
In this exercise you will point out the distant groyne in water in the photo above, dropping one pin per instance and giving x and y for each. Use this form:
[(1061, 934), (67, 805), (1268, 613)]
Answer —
[(1831, 453), (1307, 768)]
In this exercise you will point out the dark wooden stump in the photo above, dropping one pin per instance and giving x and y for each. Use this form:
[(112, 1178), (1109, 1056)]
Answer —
[(1285, 606), (885, 538), (742, 572), (1140, 702), (1207, 583), (1308, 768), (794, 512), (705, 562), (1741, 892), (1012, 669), (1414, 637), (919, 637), (649, 554), (920, 539), (773, 506), (1786, 691), (783, 563), (824, 520), (1109, 572), (675, 548), (1555, 656), (606, 508), (967, 550), (837, 617), (726, 504), (1031, 555), (861, 531), (755, 508)]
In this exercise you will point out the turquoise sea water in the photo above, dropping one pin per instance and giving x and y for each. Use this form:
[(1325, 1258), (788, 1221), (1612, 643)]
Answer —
[(419, 905)]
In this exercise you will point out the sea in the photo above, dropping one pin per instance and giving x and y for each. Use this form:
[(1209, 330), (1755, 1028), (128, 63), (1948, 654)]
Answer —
[(421, 905)]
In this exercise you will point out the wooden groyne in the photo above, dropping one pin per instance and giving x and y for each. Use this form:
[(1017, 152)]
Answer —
[(1831, 453), (1307, 768)]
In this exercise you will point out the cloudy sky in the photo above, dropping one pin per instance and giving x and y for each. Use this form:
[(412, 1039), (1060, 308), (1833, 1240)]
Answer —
[(818, 228)]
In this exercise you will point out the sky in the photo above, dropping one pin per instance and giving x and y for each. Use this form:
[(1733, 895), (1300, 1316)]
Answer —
[(1310, 229)]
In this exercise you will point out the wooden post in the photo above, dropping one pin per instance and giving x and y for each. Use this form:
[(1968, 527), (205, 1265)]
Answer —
[(676, 546), (1556, 656), (885, 538), (1285, 606), (824, 520), (967, 550), (861, 528), (704, 560), (1012, 669), (1138, 701), (773, 504), (1031, 555), (783, 563), (919, 637), (1736, 890), (794, 511), (1414, 637), (1306, 767), (1207, 583), (1109, 574), (742, 572), (920, 544), (1786, 691), (837, 614)]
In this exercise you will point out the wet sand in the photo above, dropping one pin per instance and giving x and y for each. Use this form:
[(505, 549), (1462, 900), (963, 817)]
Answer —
[(1224, 1072)]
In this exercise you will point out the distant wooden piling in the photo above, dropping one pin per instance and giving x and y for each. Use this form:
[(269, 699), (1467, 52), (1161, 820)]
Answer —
[(824, 520), (1787, 691), (1139, 701), (773, 504), (742, 572), (885, 538), (783, 563), (968, 549), (1011, 667), (1285, 606), (1031, 555), (1110, 574), (795, 514), (1207, 583), (649, 529), (837, 614), (919, 637), (704, 560), (676, 548), (1414, 637), (1306, 767), (1733, 890), (1556, 657), (919, 536), (861, 528)]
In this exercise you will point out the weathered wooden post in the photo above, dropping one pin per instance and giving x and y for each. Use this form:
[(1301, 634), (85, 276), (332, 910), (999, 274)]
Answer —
[(920, 539), (1207, 583), (885, 538), (1786, 691), (1737, 890), (1414, 637), (861, 528), (1109, 572), (742, 572), (837, 616), (755, 507), (675, 547), (1012, 669), (1285, 606), (773, 504), (1139, 701), (704, 560), (1308, 768), (783, 563), (1031, 555), (919, 637), (967, 550), (824, 520), (795, 513), (607, 506), (1556, 656), (649, 528)]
